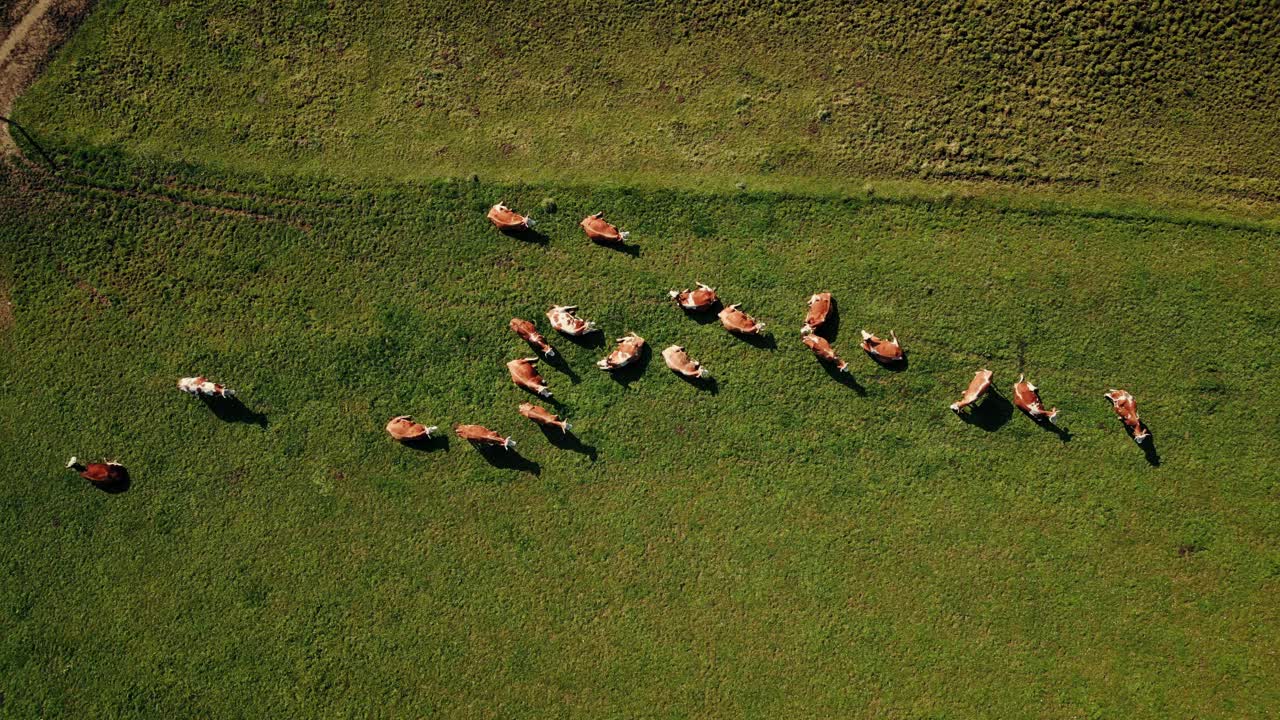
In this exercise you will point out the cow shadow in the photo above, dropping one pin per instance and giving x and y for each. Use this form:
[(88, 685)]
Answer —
[(504, 459), (844, 378), (427, 444), (764, 342), (628, 374), (831, 328), (117, 486), (558, 362), (528, 235), (704, 317), (632, 250), (592, 340), (705, 383), (892, 365), (568, 441), (990, 414), (1148, 446), (1063, 434), (231, 409)]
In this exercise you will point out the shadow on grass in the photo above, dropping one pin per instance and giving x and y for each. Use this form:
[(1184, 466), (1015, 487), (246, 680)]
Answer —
[(507, 459), (558, 362), (831, 328), (628, 374), (844, 378), (990, 414), (591, 340), (632, 250), (1148, 446), (764, 342), (1063, 434), (706, 383), (528, 235), (704, 317), (568, 441), (232, 410), (428, 444), (892, 365)]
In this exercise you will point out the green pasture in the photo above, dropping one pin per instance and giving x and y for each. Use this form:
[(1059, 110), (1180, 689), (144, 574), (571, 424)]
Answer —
[(789, 545)]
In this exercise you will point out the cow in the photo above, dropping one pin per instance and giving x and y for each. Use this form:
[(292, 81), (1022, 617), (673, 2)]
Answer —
[(107, 473), (564, 319), (404, 429), (678, 360), (820, 307), (524, 374), (1026, 397), (602, 232), (200, 385), (700, 300), (545, 417), (736, 321), (883, 351), (508, 220), (481, 435), (529, 332), (628, 350), (822, 349), (979, 386), (1127, 410)]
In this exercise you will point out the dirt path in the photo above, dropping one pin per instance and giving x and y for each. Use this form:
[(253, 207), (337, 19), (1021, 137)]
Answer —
[(27, 47)]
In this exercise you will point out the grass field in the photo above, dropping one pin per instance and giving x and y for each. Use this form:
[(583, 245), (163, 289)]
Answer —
[(1164, 100), (290, 198), (787, 546)]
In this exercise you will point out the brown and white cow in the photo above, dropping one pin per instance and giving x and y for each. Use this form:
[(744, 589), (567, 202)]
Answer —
[(1026, 397), (629, 348), (508, 220), (602, 232), (404, 429), (544, 417), (678, 360), (105, 473), (700, 300), (481, 435), (1122, 402), (565, 319), (529, 332), (524, 374), (201, 385), (881, 350), (822, 349), (736, 321), (980, 385), (820, 306)]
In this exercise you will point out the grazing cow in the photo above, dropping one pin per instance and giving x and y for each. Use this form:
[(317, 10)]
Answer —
[(602, 232), (527, 330), (481, 435), (700, 300), (1026, 397), (979, 386), (881, 350), (822, 349), (629, 348), (107, 473), (564, 319), (403, 428), (736, 321), (524, 374), (508, 220), (200, 385), (678, 360), (820, 306), (1122, 402), (545, 417)]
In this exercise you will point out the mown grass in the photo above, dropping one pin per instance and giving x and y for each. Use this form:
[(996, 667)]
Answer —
[(789, 546), (1165, 100)]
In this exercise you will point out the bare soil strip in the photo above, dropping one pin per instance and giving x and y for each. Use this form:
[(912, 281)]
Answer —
[(26, 49)]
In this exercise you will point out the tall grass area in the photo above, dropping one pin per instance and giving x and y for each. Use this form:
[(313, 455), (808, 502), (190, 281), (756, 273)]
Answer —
[(1159, 99), (790, 546)]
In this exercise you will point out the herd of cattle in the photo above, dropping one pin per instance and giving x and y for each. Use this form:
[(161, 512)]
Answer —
[(564, 319)]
